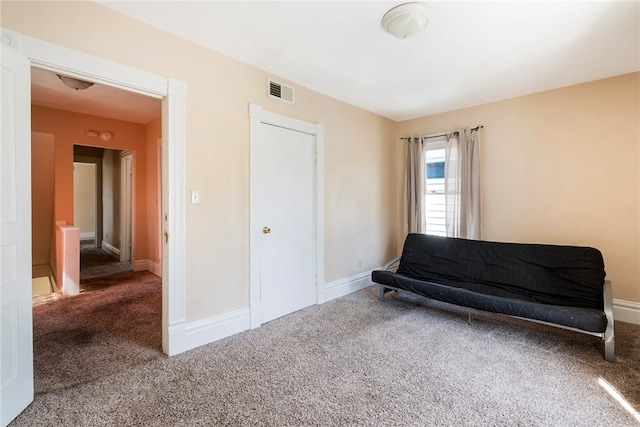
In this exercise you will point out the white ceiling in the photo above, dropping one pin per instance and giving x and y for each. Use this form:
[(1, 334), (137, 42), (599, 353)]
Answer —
[(99, 100), (471, 52)]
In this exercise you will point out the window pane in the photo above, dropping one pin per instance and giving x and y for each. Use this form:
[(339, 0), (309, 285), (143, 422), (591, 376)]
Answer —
[(434, 198), (435, 170)]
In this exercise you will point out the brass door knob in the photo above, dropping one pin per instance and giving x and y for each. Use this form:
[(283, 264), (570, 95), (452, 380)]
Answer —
[(266, 230)]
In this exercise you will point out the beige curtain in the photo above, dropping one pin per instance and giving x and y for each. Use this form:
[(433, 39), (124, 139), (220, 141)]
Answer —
[(415, 186), (462, 184)]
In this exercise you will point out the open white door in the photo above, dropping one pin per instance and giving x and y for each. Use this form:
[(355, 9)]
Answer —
[(16, 338)]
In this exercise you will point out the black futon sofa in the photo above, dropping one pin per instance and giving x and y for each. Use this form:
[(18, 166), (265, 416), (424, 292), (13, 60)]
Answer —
[(561, 286)]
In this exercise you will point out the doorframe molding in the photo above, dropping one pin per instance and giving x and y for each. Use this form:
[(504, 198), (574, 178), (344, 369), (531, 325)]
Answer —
[(126, 206), (76, 64), (257, 116)]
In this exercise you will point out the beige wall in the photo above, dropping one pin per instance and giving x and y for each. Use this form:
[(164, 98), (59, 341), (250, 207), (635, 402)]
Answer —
[(69, 129), (360, 199), (560, 167), (84, 198)]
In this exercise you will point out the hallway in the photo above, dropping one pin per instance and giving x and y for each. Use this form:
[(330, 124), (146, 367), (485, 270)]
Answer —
[(95, 262)]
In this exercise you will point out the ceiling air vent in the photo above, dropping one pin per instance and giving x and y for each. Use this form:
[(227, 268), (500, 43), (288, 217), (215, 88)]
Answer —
[(279, 91)]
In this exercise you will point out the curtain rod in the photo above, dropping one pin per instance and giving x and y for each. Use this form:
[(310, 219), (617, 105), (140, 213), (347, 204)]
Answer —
[(436, 135)]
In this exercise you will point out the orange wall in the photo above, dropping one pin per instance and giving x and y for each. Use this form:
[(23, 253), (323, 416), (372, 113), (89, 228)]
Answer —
[(562, 167), (42, 153), (69, 129)]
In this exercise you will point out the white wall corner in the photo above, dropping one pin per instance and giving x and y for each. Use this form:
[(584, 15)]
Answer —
[(342, 287), (626, 311)]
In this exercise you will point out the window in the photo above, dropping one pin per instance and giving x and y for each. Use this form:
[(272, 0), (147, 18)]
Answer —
[(443, 184), (435, 199)]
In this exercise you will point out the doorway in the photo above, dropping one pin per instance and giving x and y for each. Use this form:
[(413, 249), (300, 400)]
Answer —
[(85, 201), (26, 52), (102, 192)]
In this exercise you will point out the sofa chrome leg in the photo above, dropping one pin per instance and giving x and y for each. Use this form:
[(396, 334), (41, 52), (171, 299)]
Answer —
[(609, 347), (382, 293), (469, 313)]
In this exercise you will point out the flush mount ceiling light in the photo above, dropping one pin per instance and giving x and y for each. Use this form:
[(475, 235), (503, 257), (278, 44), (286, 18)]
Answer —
[(406, 20), (76, 84)]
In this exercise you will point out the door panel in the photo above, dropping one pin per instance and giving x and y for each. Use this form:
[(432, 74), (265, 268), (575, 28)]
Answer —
[(286, 207), (16, 380)]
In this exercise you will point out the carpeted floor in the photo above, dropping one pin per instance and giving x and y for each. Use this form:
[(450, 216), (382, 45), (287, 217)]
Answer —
[(351, 361), (95, 262)]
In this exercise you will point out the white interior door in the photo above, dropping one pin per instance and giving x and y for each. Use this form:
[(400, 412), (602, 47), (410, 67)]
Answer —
[(285, 208), (16, 389)]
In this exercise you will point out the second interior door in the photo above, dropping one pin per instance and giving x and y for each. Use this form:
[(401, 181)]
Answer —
[(286, 207)]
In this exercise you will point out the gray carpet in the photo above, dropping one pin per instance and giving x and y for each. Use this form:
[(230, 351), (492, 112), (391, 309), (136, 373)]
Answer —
[(351, 361)]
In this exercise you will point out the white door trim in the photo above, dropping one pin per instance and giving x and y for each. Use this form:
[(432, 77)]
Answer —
[(258, 116), (126, 205), (173, 92), (158, 264)]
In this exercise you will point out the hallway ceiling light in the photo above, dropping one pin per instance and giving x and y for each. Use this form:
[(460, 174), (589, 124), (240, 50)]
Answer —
[(406, 20), (73, 83)]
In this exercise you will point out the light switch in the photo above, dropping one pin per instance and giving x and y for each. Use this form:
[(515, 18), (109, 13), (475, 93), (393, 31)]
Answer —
[(195, 196)]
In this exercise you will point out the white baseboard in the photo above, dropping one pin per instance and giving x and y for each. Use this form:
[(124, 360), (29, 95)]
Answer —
[(139, 264), (342, 287), (112, 250), (188, 336), (88, 235), (155, 268), (147, 265), (626, 311)]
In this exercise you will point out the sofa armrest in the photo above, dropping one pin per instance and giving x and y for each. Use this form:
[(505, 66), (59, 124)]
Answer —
[(391, 265), (609, 351)]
